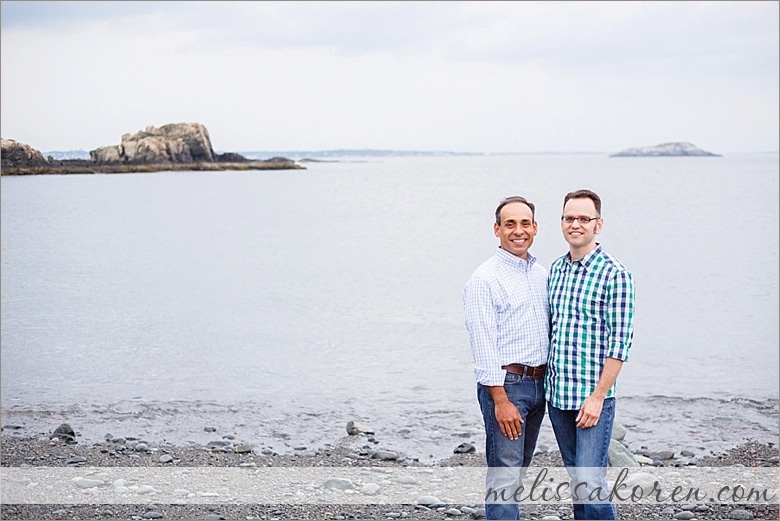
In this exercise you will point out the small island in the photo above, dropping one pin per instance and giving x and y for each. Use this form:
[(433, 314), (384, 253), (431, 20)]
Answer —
[(666, 150), (177, 146)]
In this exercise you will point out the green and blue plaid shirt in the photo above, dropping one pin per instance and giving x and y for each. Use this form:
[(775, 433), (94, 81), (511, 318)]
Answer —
[(592, 314)]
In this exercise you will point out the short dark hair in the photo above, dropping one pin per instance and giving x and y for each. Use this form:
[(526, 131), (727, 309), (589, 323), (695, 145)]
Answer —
[(514, 199), (584, 194)]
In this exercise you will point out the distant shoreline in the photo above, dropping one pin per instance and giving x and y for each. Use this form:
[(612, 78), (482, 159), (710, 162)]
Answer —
[(86, 167)]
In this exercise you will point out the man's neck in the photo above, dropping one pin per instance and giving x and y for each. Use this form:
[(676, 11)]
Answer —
[(576, 254)]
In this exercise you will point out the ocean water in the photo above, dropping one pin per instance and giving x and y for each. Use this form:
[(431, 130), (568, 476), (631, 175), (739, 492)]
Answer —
[(279, 305)]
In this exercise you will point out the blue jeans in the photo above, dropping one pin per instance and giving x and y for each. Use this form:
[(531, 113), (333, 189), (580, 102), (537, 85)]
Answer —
[(585, 454), (508, 459)]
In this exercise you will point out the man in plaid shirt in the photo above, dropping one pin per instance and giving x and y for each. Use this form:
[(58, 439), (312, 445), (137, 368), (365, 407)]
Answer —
[(592, 312)]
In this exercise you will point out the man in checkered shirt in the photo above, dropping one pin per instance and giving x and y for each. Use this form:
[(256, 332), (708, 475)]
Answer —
[(592, 316), (508, 320)]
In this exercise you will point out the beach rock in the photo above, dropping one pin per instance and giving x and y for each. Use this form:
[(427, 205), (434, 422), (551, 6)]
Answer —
[(76, 461), (643, 460), (172, 143), (429, 501), (661, 455), (465, 448), (369, 489), (384, 455), (354, 428), (19, 155), (453, 512), (166, 458), (618, 431), (684, 515), (339, 484), (210, 429), (89, 483), (741, 514), (141, 447), (65, 433), (153, 515), (242, 448), (620, 456), (643, 480)]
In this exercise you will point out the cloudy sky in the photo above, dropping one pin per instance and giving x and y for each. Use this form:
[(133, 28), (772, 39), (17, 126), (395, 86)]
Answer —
[(457, 76)]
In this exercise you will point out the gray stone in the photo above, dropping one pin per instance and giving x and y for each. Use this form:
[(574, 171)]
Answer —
[(146, 489), (89, 483), (242, 448), (384, 455), (429, 501), (406, 480), (141, 447), (453, 512), (465, 448), (354, 428), (620, 456), (64, 432), (369, 489), (684, 515), (618, 431), (643, 480), (661, 455), (153, 515), (687, 454), (740, 513), (76, 460), (166, 458), (339, 484)]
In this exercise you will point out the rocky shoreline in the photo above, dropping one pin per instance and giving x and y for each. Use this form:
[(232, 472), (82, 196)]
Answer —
[(357, 452), (80, 166)]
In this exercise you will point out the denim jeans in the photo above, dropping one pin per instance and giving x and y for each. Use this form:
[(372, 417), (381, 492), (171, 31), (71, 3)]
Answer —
[(508, 459), (585, 453)]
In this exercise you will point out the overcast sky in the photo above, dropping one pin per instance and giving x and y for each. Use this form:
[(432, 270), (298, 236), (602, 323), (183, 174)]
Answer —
[(456, 76)]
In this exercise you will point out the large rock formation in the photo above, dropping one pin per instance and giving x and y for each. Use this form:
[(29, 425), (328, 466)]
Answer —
[(19, 155), (174, 143), (666, 150)]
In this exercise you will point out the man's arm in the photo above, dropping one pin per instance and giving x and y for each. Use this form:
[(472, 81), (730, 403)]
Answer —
[(483, 337), (591, 408), (620, 322)]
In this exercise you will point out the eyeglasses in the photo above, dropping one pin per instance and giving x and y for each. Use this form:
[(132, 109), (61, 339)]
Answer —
[(568, 219)]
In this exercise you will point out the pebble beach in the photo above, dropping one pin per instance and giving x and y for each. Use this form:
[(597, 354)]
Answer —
[(362, 451)]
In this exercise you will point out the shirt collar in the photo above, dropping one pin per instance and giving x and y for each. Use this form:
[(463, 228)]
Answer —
[(513, 260), (588, 260)]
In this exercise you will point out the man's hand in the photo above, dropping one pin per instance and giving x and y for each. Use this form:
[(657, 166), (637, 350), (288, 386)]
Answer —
[(509, 420), (590, 412), (508, 417)]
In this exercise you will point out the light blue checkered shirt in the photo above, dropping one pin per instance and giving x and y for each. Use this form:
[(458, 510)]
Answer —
[(507, 315)]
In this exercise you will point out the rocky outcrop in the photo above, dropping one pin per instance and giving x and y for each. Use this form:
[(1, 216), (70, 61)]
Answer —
[(19, 155), (666, 150), (173, 143)]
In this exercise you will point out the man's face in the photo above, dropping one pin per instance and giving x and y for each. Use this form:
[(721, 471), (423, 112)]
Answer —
[(577, 234), (517, 229)]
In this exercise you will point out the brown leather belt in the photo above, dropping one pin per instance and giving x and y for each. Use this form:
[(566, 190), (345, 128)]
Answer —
[(526, 370)]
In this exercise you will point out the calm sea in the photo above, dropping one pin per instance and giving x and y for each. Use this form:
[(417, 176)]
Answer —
[(278, 306)]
